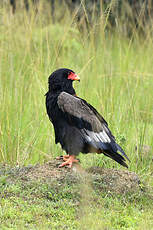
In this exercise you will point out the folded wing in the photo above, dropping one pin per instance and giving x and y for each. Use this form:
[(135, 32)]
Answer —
[(92, 126)]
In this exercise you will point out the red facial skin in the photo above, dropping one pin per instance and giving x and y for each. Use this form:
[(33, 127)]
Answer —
[(73, 77)]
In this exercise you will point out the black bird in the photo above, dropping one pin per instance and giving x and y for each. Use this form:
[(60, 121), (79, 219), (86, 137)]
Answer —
[(78, 126)]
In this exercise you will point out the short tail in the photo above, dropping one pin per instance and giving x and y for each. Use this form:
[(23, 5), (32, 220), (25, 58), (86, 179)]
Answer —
[(116, 157), (121, 151)]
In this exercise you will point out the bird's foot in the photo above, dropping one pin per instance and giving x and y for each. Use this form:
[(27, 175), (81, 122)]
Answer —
[(69, 161), (66, 157)]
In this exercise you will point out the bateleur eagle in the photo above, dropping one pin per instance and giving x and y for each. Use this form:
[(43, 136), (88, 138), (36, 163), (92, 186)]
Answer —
[(78, 126)]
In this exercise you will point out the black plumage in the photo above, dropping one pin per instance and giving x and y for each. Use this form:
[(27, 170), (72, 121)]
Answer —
[(78, 126)]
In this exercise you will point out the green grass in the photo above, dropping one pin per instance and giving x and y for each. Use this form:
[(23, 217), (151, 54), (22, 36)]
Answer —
[(67, 205), (116, 77)]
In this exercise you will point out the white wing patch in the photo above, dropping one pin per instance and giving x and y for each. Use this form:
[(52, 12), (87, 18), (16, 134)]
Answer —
[(105, 136), (97, 137)]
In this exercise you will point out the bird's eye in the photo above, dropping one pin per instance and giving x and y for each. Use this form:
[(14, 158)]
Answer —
[(70, 74)]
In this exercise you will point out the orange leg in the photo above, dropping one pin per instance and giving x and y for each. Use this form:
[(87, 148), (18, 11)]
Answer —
[(69, 161), (66, 157)]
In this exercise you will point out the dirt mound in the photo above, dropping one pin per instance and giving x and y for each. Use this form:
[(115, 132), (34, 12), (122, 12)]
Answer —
[(113, 180), (109, 180)]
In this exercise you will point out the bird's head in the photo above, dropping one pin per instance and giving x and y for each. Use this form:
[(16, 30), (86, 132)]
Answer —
[(61, 80)]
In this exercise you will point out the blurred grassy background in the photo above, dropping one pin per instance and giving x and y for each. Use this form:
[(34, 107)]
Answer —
[(116, 74)]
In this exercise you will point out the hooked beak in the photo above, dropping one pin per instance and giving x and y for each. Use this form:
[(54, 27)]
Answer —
[(73, 77)]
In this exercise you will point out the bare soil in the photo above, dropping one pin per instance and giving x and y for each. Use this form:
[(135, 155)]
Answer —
[(108, 180)]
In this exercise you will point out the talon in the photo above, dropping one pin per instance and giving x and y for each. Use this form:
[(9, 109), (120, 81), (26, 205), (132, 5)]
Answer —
[(65, 157), (69, 161)]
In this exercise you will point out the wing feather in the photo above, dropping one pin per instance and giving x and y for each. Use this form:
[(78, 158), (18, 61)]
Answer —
[(92, 125)]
